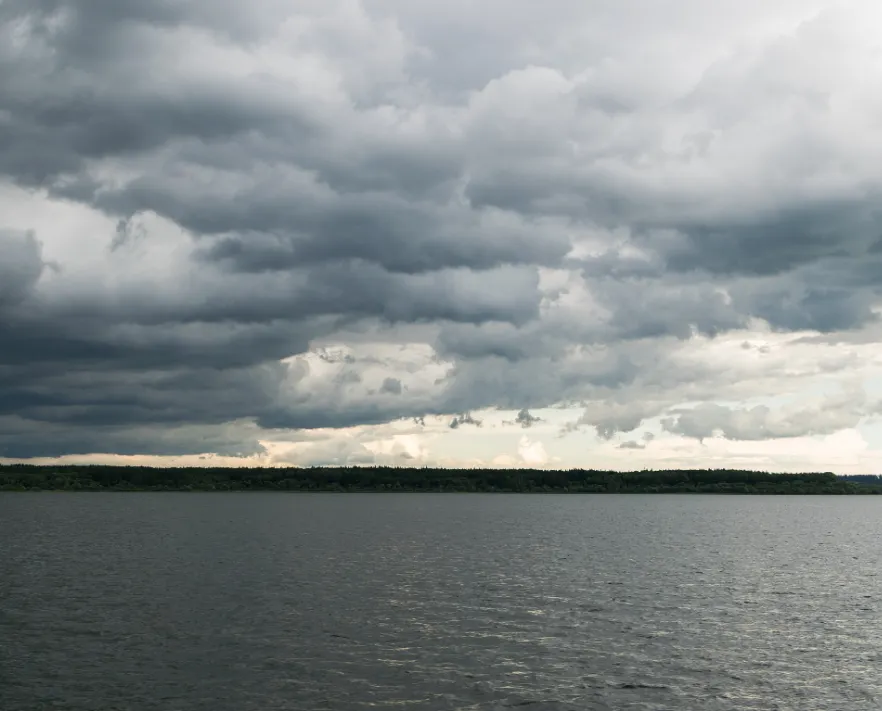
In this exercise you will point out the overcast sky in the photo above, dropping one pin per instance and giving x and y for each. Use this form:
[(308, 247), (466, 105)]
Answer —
[(643, 233)]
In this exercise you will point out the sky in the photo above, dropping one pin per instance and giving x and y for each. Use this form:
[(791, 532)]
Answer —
[(640, 234)]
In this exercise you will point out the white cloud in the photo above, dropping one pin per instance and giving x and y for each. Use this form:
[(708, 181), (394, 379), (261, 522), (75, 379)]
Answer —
[(532, 452)]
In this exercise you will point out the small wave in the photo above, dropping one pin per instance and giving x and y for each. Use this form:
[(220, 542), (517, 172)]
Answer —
[(523, 703), (638, 685)]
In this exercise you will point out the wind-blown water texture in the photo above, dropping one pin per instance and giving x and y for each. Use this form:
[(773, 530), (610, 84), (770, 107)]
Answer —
[(261, 601)]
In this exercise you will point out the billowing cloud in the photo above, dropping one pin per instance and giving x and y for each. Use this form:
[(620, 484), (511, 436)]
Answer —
[(833, 414), (226, 224), (532, 453)]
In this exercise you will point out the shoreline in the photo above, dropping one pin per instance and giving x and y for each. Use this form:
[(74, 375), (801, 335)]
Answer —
[(383, 480)]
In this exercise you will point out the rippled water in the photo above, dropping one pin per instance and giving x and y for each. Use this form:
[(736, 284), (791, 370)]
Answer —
[(274, 601)]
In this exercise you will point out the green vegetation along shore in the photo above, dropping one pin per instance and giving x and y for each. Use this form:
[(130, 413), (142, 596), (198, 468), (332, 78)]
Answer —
[(24, 477)]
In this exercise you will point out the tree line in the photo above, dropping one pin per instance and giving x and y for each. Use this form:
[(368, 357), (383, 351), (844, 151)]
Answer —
[(25, 477)]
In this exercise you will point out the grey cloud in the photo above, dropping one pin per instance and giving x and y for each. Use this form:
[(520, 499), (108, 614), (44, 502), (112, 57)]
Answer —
[(166, 396), (196, 318), (22, 438), (320, 415), (348, 376), (636, 445), (778, 240), (825, 294), (814, 307), (499, 340), (384, 167), (610, 418), (535, 382), (646, 309), (464, 419), (762, 422), (391, 386), (90, 342), (56, 137), (767, 241), (398, 237), (525, 419), (21, 264)]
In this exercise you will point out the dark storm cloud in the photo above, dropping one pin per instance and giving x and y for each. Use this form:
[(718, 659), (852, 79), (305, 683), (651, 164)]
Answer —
[(66, 114), (90, 30), (319, 415), (540, 382), (779, 240), (144, 397), (824, 306), (496, 340), (23, 438), (400, 237), (353, 166), (33, 337), (825, 294)]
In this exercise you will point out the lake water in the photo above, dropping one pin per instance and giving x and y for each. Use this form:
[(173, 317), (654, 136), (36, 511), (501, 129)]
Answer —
[(434, 601)]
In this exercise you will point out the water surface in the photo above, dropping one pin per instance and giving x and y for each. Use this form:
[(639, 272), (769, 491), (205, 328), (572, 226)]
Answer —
[(247, 602)]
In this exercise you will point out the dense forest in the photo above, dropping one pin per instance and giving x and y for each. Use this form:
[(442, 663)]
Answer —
[(24, 477), (870, 479)]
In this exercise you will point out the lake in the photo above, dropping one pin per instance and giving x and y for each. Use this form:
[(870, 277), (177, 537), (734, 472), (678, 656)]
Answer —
[(179, 601)]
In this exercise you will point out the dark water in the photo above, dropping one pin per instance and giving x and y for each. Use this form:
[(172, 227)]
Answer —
[(263, 601)]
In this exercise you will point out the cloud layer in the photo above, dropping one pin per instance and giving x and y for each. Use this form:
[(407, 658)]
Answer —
[(229, 224)]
